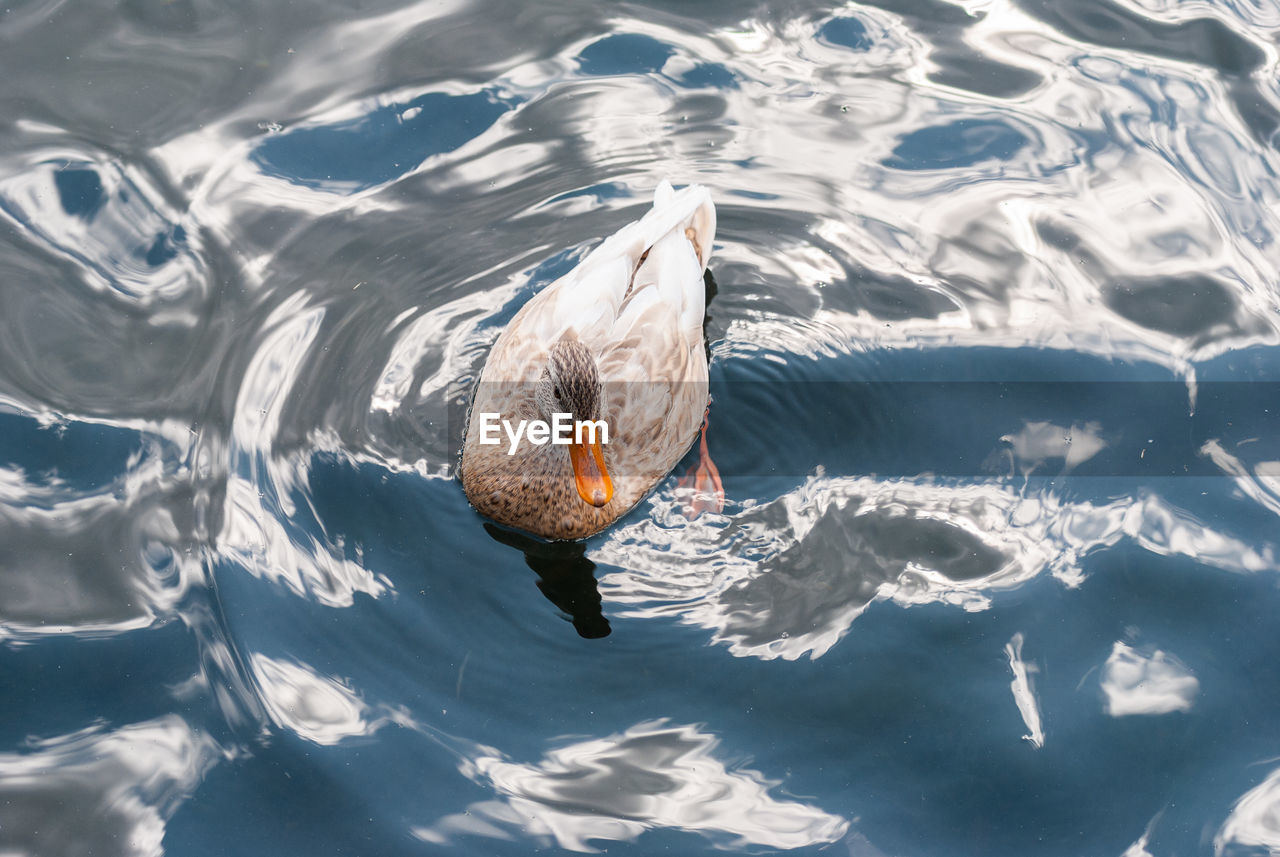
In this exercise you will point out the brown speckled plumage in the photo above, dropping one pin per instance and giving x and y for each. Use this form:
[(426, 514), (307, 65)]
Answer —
[(634, 306)]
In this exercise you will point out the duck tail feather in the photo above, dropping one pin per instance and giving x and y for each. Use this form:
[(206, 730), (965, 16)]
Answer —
[(663, 194)]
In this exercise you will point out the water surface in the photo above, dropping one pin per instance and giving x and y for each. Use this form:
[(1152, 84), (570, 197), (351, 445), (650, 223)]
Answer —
[(994, 373)]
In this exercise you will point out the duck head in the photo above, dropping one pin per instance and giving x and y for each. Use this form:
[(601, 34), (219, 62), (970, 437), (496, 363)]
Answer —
[(570, 383)]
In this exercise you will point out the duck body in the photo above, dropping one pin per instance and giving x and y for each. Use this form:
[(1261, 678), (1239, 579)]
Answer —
[(617, 339)]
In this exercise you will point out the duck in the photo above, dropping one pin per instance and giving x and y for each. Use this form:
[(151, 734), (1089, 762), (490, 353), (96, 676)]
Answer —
[(614, 351)]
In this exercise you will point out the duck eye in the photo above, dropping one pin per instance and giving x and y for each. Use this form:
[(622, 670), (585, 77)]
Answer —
[(555, 391)]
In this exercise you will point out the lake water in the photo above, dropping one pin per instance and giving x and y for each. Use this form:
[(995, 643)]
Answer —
[(995, 362)]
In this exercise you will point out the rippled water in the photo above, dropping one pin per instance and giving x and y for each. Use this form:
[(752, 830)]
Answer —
[(995, 365)]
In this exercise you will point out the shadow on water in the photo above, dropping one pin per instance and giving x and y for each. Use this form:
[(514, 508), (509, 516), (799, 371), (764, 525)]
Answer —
[(565, 576)]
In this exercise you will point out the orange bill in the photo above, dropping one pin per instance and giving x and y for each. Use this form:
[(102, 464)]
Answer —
[(589, 473)]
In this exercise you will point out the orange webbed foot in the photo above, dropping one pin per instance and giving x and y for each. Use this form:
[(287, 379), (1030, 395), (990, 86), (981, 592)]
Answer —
[(704, 480)]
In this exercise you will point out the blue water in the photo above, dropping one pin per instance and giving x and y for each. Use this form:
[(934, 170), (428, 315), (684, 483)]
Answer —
[(995, 374)]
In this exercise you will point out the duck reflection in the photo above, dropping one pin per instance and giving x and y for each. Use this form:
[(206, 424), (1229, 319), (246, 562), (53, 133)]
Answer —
[(712, 289), (565, 576)]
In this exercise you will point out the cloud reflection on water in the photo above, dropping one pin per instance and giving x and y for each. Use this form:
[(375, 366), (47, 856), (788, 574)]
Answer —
[(788, 577), (653, 775), (1257, 480), (1146, 682), (96, 544), (114, 225), (1254, 820), (314, 707), (101, 792), (265, 525), (267, 544), (1039, 442)]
